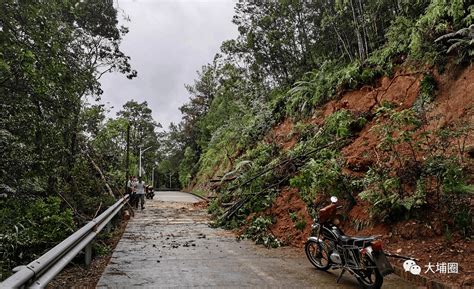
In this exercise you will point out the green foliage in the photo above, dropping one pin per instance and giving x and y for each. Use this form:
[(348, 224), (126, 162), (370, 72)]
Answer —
[(401, 181), (323, 49), (187, 167), (259, 204), (47, 69), (300, 223), (258, 232), (397, 128), (449, 174), (319, 86), (427, 93), (461, 41), (463, 220), (53, 141), (386, 195), (100, 249), (396, 46), (29, 227), (321, 175), (342, 123), (293, 216), (214, 208), (258, 158), (440, 17)]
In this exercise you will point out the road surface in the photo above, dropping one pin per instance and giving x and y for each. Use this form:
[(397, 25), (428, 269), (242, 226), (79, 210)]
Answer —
[(170, 245)]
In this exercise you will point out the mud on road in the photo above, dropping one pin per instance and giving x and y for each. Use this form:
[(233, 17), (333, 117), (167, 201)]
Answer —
[(171, 245)]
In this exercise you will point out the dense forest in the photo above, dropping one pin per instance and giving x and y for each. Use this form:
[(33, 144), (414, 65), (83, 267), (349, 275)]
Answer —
[(62, 160), (268, 114)]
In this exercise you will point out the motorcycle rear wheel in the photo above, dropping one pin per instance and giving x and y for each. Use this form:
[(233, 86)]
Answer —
[(370, 278), (317, 254)]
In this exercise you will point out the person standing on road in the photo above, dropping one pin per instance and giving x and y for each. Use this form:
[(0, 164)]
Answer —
[(140, 186), (133, 191), (130, 186)]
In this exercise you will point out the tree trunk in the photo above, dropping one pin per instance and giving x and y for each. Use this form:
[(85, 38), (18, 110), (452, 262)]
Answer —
[(343, 43), (364, 29), (97, 168), (360, 43)]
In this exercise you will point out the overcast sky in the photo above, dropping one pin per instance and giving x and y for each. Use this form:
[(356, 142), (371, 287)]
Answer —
[(169, 40)]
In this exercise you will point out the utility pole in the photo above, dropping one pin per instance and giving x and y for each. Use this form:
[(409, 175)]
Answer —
[(153, 177), (140, 160), (127, 158)]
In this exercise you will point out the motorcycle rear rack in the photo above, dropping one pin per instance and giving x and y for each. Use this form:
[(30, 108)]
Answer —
[(353, 258)]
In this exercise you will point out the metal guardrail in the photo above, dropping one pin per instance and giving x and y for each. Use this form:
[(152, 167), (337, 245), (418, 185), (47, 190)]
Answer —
[(41, 271)]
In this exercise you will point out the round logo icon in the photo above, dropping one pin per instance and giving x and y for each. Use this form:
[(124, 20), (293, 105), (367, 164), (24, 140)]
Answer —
[(407, 264), (415, 269)]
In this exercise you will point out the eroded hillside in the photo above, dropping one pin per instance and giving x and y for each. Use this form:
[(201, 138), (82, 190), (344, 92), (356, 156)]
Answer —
[(399, 153)]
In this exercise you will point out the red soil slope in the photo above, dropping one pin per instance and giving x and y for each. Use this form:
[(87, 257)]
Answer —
[(424, 239)]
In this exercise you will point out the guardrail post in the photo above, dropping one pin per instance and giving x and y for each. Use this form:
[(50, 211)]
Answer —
[(108, 227), (88, 254)]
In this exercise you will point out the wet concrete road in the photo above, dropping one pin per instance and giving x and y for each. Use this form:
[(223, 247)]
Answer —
[(170, 245)]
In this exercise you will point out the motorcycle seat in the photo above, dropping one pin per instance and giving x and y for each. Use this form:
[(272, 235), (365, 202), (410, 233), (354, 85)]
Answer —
[(357, 241)]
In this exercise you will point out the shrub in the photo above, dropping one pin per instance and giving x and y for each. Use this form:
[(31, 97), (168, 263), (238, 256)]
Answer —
[(427, 93), (300, 224), (463, 220), (322, 174), (258, 231), (30, 227), (396, 46), (429, 173), (386, 195), (214, 208), (322, 85)]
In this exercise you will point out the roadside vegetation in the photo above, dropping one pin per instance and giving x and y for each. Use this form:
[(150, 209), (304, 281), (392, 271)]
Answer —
[(292, 62), (62, 160)]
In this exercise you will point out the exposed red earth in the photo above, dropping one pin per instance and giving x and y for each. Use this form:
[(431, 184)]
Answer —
[(424, 238)]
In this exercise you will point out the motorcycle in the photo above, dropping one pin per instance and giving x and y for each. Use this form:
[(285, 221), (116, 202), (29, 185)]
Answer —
[(150, 193), (329, 247)]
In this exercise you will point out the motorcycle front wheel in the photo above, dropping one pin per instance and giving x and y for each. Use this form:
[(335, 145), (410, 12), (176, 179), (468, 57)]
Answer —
[(370, 278), (317, 254)]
